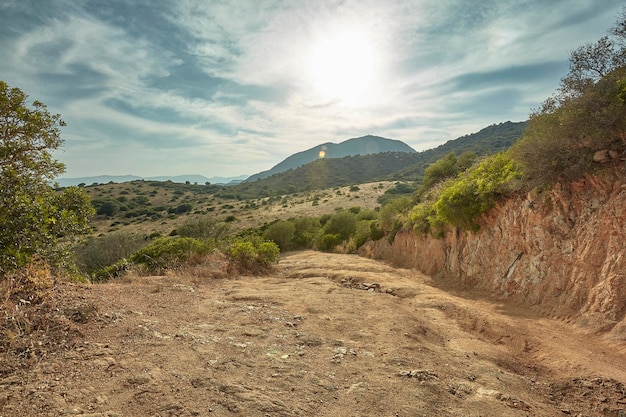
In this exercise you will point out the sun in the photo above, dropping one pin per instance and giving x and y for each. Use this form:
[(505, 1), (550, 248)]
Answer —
[(342, 67)]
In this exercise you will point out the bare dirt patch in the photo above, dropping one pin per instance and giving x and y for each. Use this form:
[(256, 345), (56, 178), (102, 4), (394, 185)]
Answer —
[(325, 335)]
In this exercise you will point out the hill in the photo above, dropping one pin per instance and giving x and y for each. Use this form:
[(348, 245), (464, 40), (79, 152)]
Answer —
[(387, 166), (365, 145), (103, 179), (492, 139)]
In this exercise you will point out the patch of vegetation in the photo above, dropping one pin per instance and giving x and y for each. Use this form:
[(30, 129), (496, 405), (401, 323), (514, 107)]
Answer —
[(100, 252), (168, 253), (253, 255), (36, 221)]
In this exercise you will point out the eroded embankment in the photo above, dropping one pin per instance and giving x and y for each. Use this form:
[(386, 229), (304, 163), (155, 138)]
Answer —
[(561, 252)]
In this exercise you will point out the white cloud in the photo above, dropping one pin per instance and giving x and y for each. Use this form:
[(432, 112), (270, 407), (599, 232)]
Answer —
[(441, 69)]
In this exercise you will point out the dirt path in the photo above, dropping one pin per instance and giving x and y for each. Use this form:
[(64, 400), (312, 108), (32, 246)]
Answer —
[(326, 335)]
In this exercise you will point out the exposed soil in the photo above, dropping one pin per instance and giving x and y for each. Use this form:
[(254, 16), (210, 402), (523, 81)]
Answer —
[(324, 335)]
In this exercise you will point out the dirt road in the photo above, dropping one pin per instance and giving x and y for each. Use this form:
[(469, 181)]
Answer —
[(325, 335)]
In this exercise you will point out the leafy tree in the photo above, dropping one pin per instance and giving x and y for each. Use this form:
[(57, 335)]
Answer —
[(33, 216), (586, 114), (307, 229), (342, 224)]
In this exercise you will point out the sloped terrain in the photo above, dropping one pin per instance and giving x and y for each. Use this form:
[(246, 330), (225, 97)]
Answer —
[(324, 335)]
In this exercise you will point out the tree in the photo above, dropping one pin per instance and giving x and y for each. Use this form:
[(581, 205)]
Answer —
[(592, 62), (34, 217), (342, 224)]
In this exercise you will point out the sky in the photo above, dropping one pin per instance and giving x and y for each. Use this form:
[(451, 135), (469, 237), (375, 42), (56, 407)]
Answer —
[(230, 88)]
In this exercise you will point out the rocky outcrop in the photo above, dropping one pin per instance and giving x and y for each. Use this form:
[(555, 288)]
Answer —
[(563, 252)]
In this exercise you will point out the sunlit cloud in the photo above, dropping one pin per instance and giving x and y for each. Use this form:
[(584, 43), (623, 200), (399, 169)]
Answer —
[(230, 88)]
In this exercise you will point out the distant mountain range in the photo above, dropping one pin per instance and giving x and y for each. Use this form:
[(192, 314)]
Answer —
[(357, 160), (365, 145), (103, 179)]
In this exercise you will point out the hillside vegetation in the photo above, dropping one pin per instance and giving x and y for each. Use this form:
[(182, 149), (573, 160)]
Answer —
[(365, 145), (576, 131)]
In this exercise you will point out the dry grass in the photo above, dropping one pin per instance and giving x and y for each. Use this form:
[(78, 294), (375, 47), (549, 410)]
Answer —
[(37, 316)]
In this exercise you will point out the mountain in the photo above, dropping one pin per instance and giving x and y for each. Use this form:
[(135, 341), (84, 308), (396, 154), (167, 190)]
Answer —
[(391, 166), (103, 179), (365, 145), (324, 173)]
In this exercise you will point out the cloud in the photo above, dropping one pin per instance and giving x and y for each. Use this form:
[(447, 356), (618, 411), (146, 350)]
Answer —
[(224, 88)]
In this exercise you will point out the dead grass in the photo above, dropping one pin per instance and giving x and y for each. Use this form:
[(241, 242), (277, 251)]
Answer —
[(38, 316)]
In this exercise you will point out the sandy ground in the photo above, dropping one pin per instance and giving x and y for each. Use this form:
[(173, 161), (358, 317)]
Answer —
[(324, 335)]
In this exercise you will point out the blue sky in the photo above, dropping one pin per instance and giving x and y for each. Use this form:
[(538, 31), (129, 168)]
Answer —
[(225, 88)]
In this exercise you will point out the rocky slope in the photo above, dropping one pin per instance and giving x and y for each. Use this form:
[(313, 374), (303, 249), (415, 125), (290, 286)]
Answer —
[(561, 252)]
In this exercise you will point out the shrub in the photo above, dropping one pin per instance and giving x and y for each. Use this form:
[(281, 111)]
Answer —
[(328, 241), (253, 255), (281, 233), (362, 234), (99, 252), (106, 207), (446, 167), (390, 214), (204, 228), (184, 208), (342, 223), (424, 217), (307, 229), (367, 214), (475, 192), (168, 253)]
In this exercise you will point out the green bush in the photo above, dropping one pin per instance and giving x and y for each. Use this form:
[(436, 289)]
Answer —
[(307, 230), (390, 215), (168, 253), (367, 214), (447, 167), (281, 233), (424, 218), (111, 271), (106, 207), (476, 191), (253, 255), (362, 234), (207, 228), (99, 252), (342, 223), (328, 241), (36, 221), (183, 208)]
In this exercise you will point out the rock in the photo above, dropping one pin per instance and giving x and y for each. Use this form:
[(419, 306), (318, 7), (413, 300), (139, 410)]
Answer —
[(420, 374), (601, 156)]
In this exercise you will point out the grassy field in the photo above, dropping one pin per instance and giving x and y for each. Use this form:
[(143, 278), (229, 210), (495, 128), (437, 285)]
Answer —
[(150, 207)]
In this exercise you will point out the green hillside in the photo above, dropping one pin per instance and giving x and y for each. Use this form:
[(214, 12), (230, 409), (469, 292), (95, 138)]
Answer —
[(390, 166), (490, 140)]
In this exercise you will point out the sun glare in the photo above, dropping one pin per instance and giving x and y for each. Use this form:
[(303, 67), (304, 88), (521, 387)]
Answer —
[(343, 67)]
